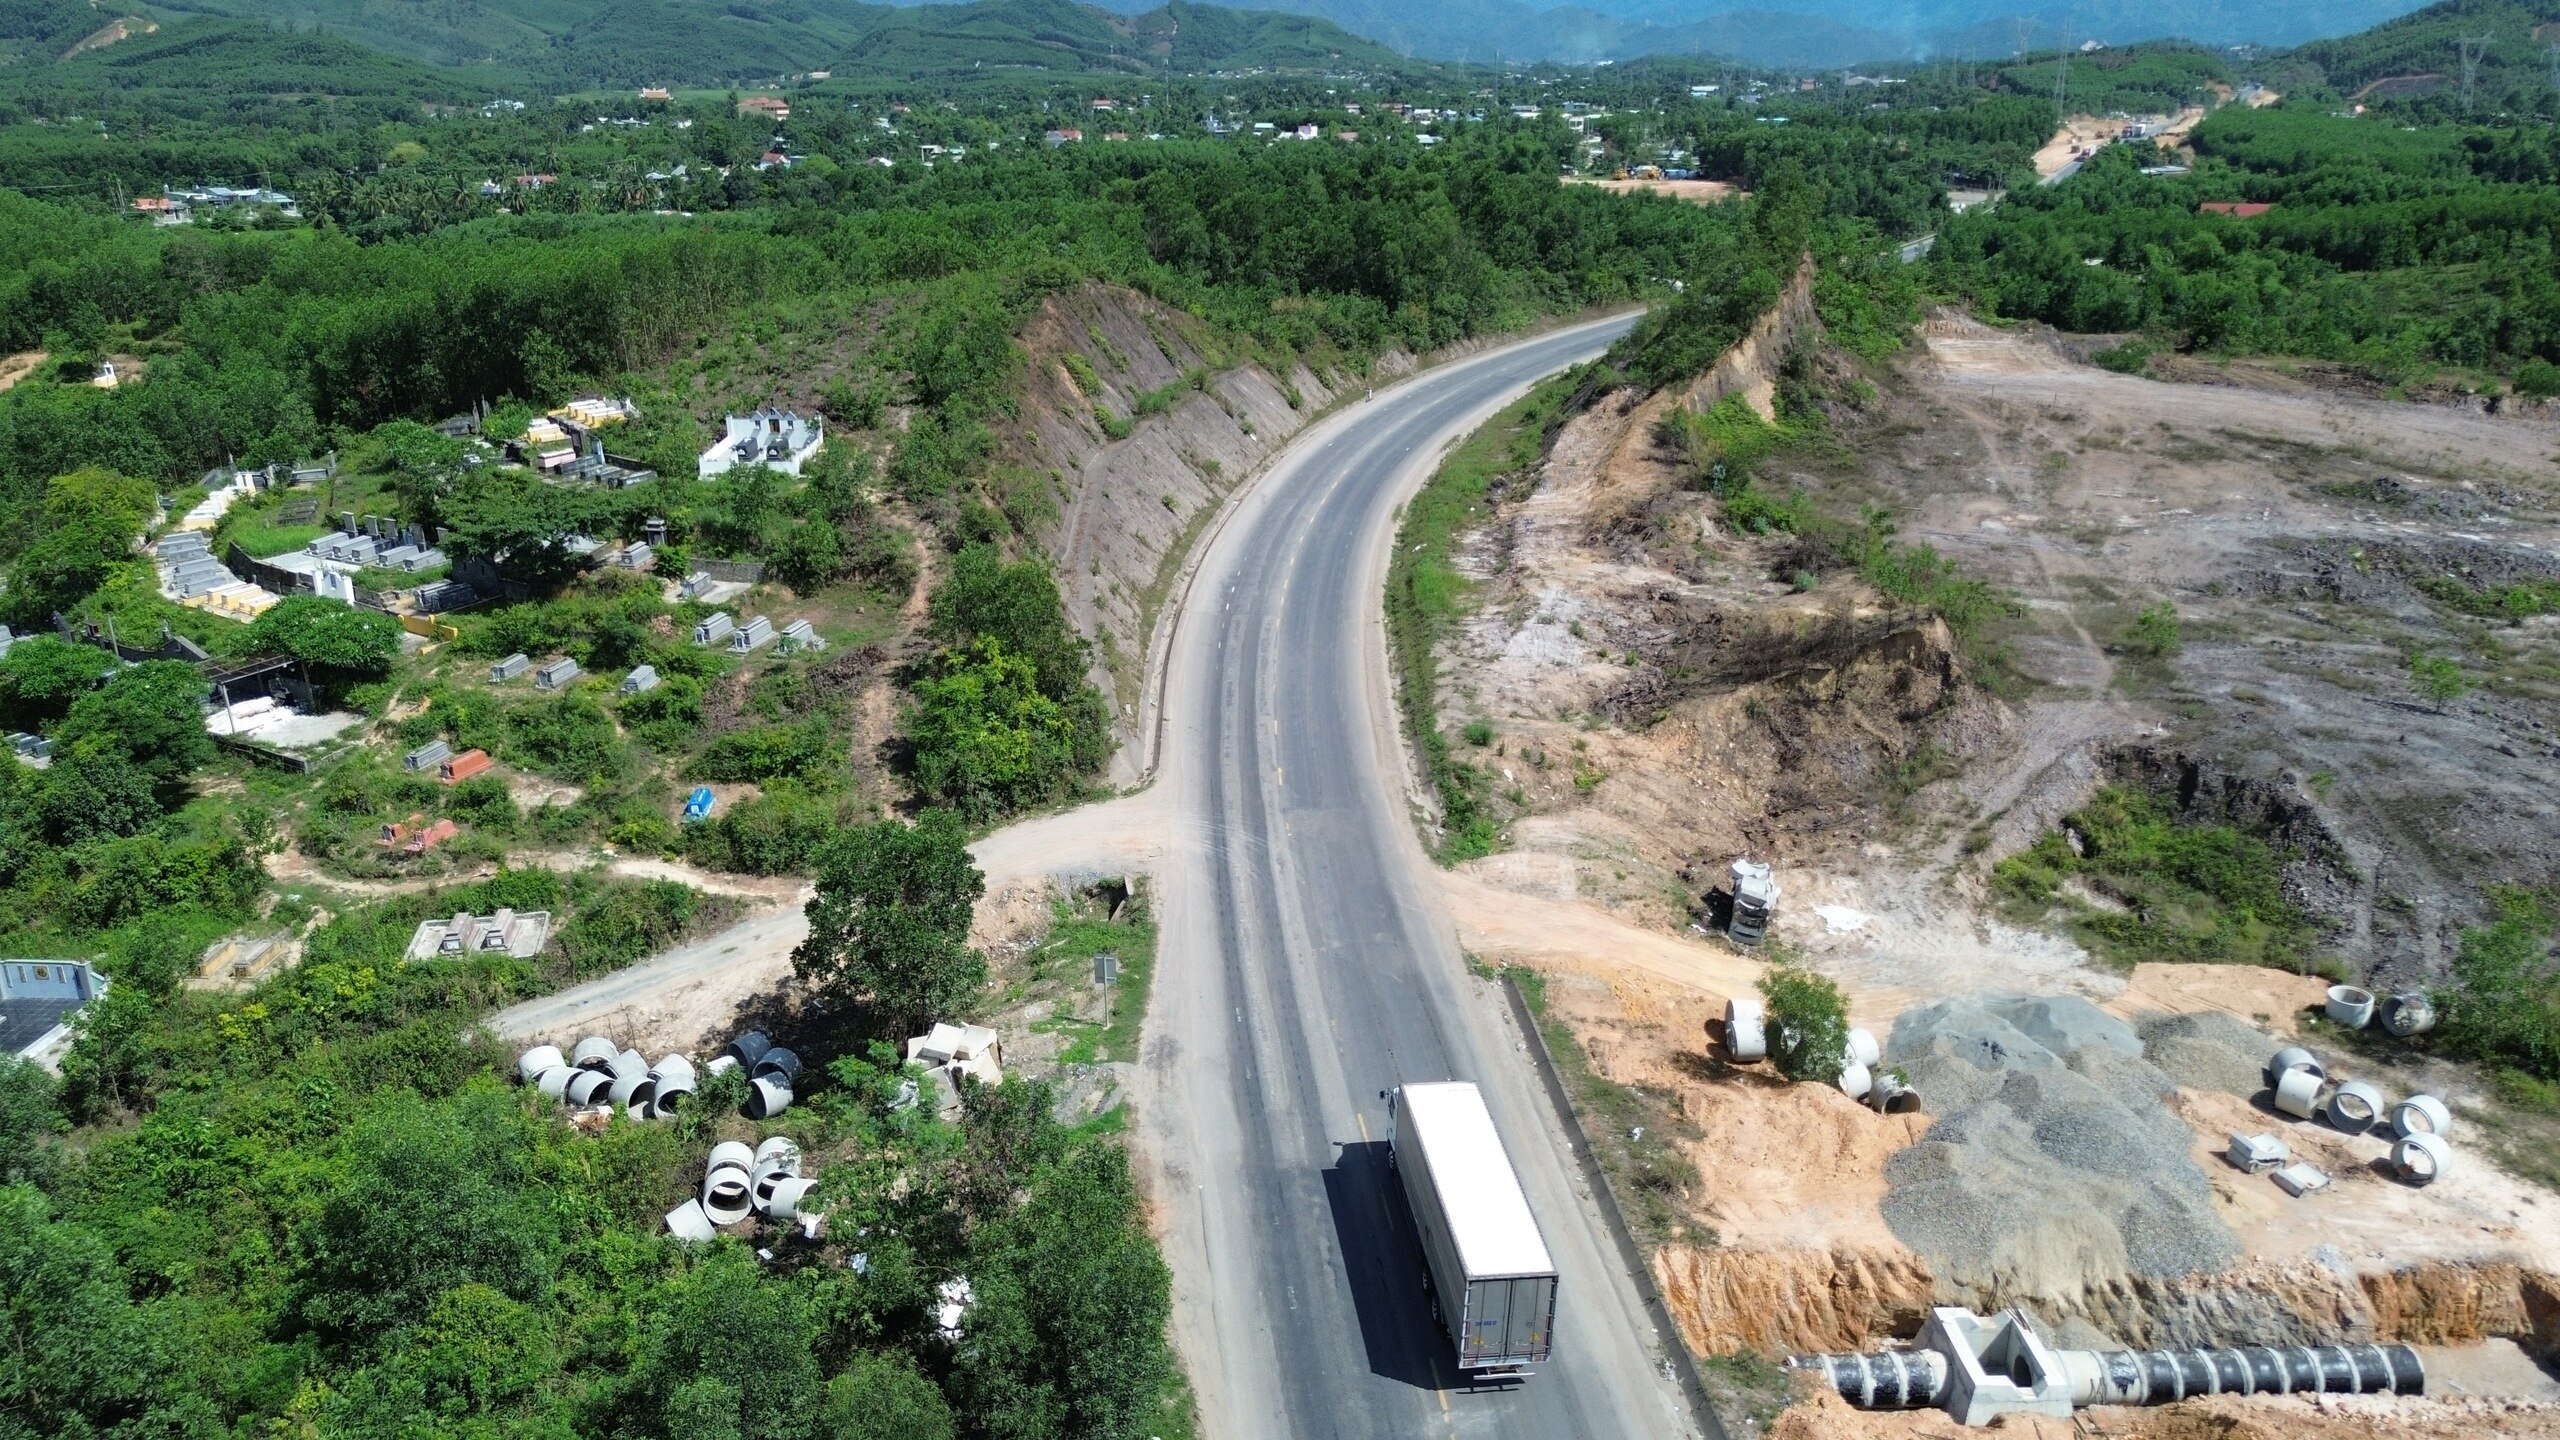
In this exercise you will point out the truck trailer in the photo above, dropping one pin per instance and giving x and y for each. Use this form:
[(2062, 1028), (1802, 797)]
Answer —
[(1492, 1282)]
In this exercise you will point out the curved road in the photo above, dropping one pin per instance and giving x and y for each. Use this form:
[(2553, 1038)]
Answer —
[(1306, 970)]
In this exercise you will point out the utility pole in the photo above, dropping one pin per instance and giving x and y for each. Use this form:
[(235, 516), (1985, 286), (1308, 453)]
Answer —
[(2555, 70)]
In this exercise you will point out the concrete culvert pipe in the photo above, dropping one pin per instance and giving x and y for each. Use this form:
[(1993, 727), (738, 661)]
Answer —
[(587, 1086), (1746, 1030), (787, 1197), (673, 1067), (2422, 1158), (594, 1053), (780, 1063), (2421, 1115), (533, 1062), (2293, 1057), (688, 1223), (780, 1148), (730, 1152), (1856, 1080), (671, 1097), (2408, 1013), (630, 1063), (747, 1049), (554, 1082), (1891, 1096), (2298, 1093), (2350, 1006), (766, 1098), (727, 1195), (635, 1094), (762, 1182), (2355, 1107), (1864, 1050)]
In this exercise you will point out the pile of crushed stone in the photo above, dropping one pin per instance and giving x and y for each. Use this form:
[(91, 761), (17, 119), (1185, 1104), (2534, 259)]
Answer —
[(2208, 1051), (2057, 1168)]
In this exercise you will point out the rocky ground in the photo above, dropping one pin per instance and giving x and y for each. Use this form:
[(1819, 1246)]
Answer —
[(1659, 703)]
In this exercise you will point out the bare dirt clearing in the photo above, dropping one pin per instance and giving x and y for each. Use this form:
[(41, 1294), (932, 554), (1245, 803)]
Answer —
[(1696, 192)]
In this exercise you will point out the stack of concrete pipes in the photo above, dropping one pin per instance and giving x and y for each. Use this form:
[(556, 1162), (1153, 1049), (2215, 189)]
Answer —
[(2420, 1126), (599, 1072), (771, 1072), (1862, 1072), (738, 1182)]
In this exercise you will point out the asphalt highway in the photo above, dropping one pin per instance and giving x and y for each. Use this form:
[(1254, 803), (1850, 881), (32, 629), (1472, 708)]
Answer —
[(1305, 969)]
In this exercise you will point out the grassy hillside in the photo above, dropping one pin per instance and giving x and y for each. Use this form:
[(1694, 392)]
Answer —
[(233, 64), (2515, 71), (575, 44), (2139, 79), (1060, 35)]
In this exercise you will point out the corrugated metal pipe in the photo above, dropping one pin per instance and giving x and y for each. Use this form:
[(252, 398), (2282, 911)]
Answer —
[(2158, 1377), (1917, 1379)]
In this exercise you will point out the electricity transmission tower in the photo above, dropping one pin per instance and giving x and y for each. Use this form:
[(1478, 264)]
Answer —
[(2473, 47), (2061, 76)]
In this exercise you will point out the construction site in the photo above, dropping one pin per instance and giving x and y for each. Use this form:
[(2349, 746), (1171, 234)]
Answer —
[(2063, 1186)]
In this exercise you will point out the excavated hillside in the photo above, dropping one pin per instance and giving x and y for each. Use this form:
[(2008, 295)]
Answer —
[(1139, 422), (1659, 691)]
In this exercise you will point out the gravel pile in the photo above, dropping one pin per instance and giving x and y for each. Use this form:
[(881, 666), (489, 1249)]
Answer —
[(2209, 1051), (2057, 1168)]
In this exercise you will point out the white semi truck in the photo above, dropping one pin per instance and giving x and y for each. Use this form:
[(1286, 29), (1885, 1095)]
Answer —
[(1493, 1284)]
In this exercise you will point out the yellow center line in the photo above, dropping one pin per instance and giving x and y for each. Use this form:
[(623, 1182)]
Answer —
[(1364, 1126)]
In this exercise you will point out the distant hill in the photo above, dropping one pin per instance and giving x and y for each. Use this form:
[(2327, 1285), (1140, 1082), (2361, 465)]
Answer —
[(230, 63), (2515, 69), (1018, 35), (575, 44), (39, 31), (1820, 33)]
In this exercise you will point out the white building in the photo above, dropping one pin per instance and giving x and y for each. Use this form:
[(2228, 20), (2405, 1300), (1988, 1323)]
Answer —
[(773, 437)]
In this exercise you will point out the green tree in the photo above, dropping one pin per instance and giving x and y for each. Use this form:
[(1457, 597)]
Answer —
[(889, 927), (30, 1117), (884, 1397), (1068, 1330), (348, 639), (42, 674), (2438, 679), (1808, 1023), (95, 791), (521, 523), (985, 739), (1017, 605), (730, 1354), (153, 712), (2503, 1007), (89, 519), (77, 1358), (433, 1197), (2155, 630)]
